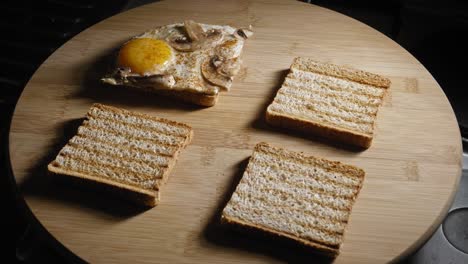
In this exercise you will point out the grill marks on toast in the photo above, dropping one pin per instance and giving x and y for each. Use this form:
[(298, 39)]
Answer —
[(320, 98), (317, 186), (276, 163), (333, 219), (330, 100), (124, 148), (105, 171), (310, 229), (132, 131), (301, 197), (319, 198), (118, 151), (118, 161), (109, 137), (158, 124), (323, 107), (314, 88), (341, 72), (318, 118), (333, 83), (336, 171)]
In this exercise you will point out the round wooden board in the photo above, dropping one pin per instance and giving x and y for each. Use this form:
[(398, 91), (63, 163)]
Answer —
[(413, 166)]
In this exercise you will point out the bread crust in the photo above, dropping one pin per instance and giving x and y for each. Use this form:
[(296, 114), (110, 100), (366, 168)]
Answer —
[(132, 193), (190, 97), (339, 71), (326, 250), (150, 117), (326, 131)]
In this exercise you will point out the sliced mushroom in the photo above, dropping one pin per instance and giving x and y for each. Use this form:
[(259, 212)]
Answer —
[(122, 72), (182, 43), (153, 81), (118, 77), (109, 80), (213, 36), (244, 33), (194, 30), (216, 61), (211, 74), (197, 38), (160, 81), (229, 68)]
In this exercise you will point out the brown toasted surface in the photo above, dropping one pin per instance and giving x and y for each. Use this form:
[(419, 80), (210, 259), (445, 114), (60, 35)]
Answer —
[(296, 196), (307, 64), (137, 195), (331, 101), (352, 171), (326, 250), (326, 131), (133, 113), (123, 173), (194, 98)]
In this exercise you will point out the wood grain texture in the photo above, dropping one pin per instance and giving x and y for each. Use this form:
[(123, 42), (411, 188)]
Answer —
[(413, 166)]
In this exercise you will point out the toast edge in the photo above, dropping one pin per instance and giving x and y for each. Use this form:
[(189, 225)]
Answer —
[(114, 109), (340, 71), (323, 249), (184, 96), (342, 167), (330, 132), (175, 158), (189, 97), (135, 194)]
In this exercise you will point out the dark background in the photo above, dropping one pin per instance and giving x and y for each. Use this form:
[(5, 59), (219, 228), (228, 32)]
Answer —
[(433, 31)]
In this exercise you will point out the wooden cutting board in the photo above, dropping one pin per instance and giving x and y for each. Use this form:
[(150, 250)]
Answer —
[(413, 166)]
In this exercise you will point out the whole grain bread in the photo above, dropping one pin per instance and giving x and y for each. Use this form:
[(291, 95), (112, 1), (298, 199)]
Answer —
[(329, 100), (128, 152), (295, 196)]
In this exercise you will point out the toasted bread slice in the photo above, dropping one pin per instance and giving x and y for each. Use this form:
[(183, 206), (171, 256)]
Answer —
[(126, 151), (328, 100), (189, 61), (303, 198)]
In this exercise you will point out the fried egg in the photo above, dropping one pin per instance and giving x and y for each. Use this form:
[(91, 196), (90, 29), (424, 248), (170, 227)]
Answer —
[(145, 56), (186, 56)]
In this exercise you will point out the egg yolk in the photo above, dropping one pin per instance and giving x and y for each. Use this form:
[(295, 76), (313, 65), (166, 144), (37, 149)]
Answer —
[(143, 55)]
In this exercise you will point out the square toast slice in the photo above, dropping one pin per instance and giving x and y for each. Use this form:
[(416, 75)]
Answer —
[(328, 100), (295, 196), (127, 152)]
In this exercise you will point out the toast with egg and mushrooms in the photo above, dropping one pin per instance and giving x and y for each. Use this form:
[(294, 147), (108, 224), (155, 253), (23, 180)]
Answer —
[(129, 153), (192, 62), (298, 197), (328, 100)]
